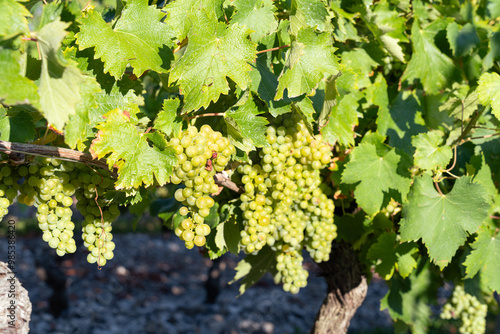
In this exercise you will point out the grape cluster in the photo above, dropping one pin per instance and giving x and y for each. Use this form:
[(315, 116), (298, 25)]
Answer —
[(290, 270), (99, 212), (468, 309), (200, 155), (284, 205), (47, 186), (8, 188)]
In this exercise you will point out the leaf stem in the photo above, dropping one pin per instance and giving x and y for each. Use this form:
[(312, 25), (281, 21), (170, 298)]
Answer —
[(207, 115), (274, 49), (438, 189)]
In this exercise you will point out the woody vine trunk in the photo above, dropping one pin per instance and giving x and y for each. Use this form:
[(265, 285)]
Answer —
[(346, 291)]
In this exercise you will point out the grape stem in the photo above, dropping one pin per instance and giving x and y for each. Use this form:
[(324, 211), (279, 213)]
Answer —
[(85, 158)]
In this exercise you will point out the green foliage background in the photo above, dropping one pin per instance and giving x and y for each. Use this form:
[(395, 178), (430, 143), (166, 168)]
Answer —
[(407, 93)]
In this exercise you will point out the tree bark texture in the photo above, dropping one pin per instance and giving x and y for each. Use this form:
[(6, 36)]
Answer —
[(15, 305), (346, 291)]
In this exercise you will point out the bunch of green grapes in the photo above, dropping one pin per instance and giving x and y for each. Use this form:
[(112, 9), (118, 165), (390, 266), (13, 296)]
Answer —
[(284, 206), (46, 186), (290, 270), (99, 212), (469, 309), (8, 188), (200, 155)]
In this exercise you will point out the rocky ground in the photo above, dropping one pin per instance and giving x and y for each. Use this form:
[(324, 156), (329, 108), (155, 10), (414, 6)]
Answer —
[(155, 285)]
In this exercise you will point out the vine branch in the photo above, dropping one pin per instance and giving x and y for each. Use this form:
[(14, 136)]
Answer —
[(85, 158), (273, 49), (469, 127), (50, 152)]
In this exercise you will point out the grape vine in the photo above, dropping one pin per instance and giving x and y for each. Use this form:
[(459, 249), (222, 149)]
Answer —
[(277, 130)]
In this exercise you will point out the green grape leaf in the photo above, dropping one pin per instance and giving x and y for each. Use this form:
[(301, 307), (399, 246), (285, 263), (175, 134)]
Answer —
[(392, 255), (78, 129), (15, 88), (228, 236), (494, 53), (389, 27), (125, 147), (59, 83), (478, 167), (253, 267), (376, 173), (308, 13), (402, 121), (135, 39), (428, 64), (462, 40), (214, 52), (256, 15), (343, 119), (443, 222), (17, 127), (265, 83), (408, 298), (484, 257), (429, 154), (115, 99), (91, 110), (245, 129), (461, 108), (309, 60), (304, 107), (488, 90), (178, 11), (167, 120), (13, 17)]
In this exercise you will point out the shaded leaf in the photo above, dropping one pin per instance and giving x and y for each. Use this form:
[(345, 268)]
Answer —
[(443, 222), (392, 255), (18, 127), (15, 88), (462, 39), (253, 267), (428, 64), (484, 258)]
